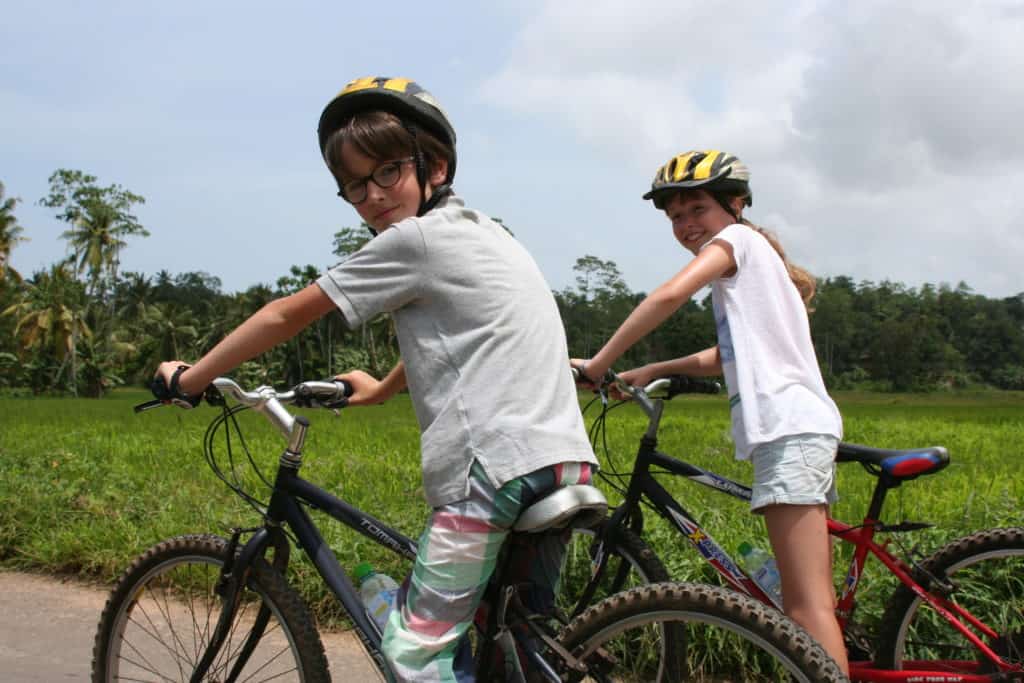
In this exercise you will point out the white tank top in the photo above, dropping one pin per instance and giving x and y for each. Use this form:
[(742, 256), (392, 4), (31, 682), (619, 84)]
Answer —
[(764, 339)]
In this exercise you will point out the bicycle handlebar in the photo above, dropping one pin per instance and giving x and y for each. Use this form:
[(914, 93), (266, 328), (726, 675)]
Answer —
[(672, 385), (329, 393)]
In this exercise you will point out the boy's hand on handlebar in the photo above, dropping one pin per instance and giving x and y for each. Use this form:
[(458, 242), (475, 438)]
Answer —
[(583, 376), (367, 390), (166, 385)]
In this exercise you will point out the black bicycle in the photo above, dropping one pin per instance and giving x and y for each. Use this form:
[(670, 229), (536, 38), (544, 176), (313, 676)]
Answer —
[(207, 608)]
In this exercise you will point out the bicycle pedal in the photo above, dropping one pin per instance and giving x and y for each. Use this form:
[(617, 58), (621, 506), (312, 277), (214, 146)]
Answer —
[(602, 661)]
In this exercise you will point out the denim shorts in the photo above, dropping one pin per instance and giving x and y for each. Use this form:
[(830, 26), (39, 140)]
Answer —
[(795, 470)]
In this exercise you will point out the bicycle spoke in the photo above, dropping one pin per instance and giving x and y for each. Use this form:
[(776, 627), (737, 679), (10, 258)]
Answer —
[(986, 573), (165, 609), (178, 657), (268, 663), (149, 669), (144, 633), (143, 680)]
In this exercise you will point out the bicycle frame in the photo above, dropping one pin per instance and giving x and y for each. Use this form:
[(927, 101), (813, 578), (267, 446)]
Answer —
[(285, 509), (643, 487)]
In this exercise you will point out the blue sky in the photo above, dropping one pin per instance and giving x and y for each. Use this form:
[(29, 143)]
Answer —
[(883, 139)]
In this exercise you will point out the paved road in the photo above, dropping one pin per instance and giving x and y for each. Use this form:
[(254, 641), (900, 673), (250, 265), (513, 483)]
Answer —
[(47, 627)]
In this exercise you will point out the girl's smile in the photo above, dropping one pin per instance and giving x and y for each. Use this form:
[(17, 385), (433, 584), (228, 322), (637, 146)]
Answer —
[(696, 218)]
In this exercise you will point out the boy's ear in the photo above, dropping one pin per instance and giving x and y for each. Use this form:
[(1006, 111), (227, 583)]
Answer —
[(439, 172)]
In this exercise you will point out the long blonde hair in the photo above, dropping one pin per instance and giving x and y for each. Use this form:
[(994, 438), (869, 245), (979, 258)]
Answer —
[(805, 283)]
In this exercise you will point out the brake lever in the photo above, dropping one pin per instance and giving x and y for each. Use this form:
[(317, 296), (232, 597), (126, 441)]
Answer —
[(148, 405)]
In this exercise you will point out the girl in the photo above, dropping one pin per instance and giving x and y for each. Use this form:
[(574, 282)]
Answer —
[(782, 418), (473, 316)]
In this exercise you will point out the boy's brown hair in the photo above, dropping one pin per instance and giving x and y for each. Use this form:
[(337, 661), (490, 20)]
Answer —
[(381, 135)]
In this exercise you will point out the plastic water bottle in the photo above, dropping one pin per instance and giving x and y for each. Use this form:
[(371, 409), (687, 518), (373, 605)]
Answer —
[(761, 567), (378, 592)]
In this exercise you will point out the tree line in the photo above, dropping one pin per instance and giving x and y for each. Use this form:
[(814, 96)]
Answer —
[(82, 326)]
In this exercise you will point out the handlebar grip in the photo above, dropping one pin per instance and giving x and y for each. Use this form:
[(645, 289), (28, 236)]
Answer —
[(346, 388), (324, 393)]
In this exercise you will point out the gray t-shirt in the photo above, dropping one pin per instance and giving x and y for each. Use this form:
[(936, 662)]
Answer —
[(484, 349)]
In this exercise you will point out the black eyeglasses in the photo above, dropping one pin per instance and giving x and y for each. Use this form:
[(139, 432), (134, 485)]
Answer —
[(384, 176)]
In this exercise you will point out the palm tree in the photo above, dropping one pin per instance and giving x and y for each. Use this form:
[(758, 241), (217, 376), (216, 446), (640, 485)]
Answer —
[(95, 245), (170, 331), (10, 233), (50, 318), (131, 295), (103, 356), (100, 218)]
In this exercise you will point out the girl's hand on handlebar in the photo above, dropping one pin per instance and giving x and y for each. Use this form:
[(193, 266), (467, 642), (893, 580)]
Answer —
[(367, 390), (637, 377)]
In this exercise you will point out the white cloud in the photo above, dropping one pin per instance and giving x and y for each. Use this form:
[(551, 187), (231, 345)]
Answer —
[(883, 138)]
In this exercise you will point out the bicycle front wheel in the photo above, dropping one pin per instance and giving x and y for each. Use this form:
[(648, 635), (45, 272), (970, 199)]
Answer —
[(986, 573), (631, 563), (163, 612), (727, 637)]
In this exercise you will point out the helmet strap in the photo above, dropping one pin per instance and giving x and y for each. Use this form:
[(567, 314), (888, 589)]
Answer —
[(421, 164), (441, 191)]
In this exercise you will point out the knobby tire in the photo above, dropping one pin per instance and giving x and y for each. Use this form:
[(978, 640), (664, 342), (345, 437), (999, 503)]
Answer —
[(163, 610), (728, 637)]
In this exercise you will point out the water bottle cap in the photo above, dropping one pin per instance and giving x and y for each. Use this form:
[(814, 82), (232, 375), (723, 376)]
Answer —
[(363, 570), (745, 548)]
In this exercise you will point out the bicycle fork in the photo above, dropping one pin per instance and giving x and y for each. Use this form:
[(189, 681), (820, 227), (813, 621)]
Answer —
[(234, 576)]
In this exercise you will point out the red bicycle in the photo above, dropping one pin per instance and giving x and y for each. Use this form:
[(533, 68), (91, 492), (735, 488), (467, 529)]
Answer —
[(957, 615)]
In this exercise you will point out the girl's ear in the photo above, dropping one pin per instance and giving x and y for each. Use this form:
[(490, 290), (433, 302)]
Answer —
[(737, 204)]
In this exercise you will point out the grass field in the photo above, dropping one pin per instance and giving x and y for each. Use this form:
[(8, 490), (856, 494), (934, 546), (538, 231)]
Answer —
[(85, 485)]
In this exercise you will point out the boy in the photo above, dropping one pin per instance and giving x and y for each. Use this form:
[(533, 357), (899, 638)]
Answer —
[(483, 355)]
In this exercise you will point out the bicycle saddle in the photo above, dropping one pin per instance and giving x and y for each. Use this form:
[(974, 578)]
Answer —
[(900, 465), (578, 505)]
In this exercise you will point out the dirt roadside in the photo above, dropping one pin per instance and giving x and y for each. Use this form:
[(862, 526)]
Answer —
[(47, 626)]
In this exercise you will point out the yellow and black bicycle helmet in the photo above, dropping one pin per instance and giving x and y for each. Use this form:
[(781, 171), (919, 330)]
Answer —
[(406, 99), (720, 173)]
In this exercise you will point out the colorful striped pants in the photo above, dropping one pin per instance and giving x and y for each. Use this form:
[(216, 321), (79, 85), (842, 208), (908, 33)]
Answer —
[(425, 638)]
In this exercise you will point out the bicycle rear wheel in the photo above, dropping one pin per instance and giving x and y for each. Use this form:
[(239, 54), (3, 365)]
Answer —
[(727, 637), (163, 611), (986, 570)]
